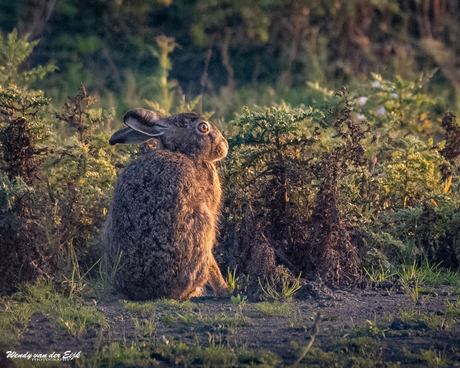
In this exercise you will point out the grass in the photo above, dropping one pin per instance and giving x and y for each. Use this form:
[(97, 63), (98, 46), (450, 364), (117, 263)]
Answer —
[(434, 358), (453, 310), (77, 281), (239, 301), (288, 288), (379, 274), (368, 329), (137, 309), (432, 320), (185, 305), (231, 280), (218, 321), (103, 285), (115, 353), (305, 350), (69, 313), (145, 327), (424, 273), (275, 309), (216, 353), (359, 346), (433, 274)]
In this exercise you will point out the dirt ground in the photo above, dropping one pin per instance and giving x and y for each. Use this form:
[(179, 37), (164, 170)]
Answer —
[(374, 312)]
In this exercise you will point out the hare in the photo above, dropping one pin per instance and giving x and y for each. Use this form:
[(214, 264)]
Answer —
[(162, 224)]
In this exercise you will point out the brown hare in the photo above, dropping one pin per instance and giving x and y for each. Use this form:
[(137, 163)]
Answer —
[(163, 218)]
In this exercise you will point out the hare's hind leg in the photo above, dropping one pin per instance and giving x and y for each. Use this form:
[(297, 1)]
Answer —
[(216, 280)]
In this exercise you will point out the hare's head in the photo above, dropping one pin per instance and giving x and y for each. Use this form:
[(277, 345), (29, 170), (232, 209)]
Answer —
[(189, 133)]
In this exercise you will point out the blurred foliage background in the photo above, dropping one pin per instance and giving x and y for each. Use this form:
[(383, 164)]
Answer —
[(234, 52), (320, 179)]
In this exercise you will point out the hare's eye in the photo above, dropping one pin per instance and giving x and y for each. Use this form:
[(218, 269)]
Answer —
[(203, 128)]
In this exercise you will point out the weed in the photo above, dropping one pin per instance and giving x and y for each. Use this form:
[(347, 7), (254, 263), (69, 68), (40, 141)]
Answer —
[(137, 309), (275, 309), (288, 288), (218, 321), (298, 321), (17, 313), (216, 354), (168, 319), (389, 290), (434, 358), (118, 353), (239, 301), (370, 328), (433, 274), (315, 329), (379, 275), (453, 310), (231, 280), (75, 318), (71, 314), (427, 273), (363, 346), (432, 320), (189, 318), (14, 318), (145, 327), (317, 356), (409, 273), (77, 282), (185, 305), (414, 291), (411, 278), (104, 285)]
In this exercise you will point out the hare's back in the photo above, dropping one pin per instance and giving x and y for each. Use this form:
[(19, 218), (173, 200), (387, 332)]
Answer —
[(149, 194)]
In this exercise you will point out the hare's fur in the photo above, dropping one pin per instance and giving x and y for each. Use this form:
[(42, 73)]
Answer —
[(162, 223)]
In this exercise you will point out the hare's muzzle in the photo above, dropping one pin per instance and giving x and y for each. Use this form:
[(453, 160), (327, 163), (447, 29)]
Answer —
[(222, 149)]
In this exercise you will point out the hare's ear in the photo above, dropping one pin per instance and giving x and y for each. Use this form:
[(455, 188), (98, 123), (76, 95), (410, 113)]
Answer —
[(142, 125), (146, 122), (128, 135)]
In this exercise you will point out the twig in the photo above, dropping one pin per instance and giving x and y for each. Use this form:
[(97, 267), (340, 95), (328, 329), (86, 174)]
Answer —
[(315, 329)]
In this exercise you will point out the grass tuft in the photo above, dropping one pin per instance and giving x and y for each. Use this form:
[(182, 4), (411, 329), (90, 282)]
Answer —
[(275, 309)]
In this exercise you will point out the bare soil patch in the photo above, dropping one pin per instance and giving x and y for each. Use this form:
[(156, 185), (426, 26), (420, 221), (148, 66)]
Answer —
[(345, 317)]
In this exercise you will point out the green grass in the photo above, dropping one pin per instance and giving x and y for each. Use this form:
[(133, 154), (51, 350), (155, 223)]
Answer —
[(69, 313), (239, 301), (453, 310), (137, 309), (379, 274), (288, 288), (368, 329), (185, 305), (145, 327), (197, 319), (433, 274), (216, 353), (432, 320), (275, 309), (426, 273), (231, 280), (434, 358)]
